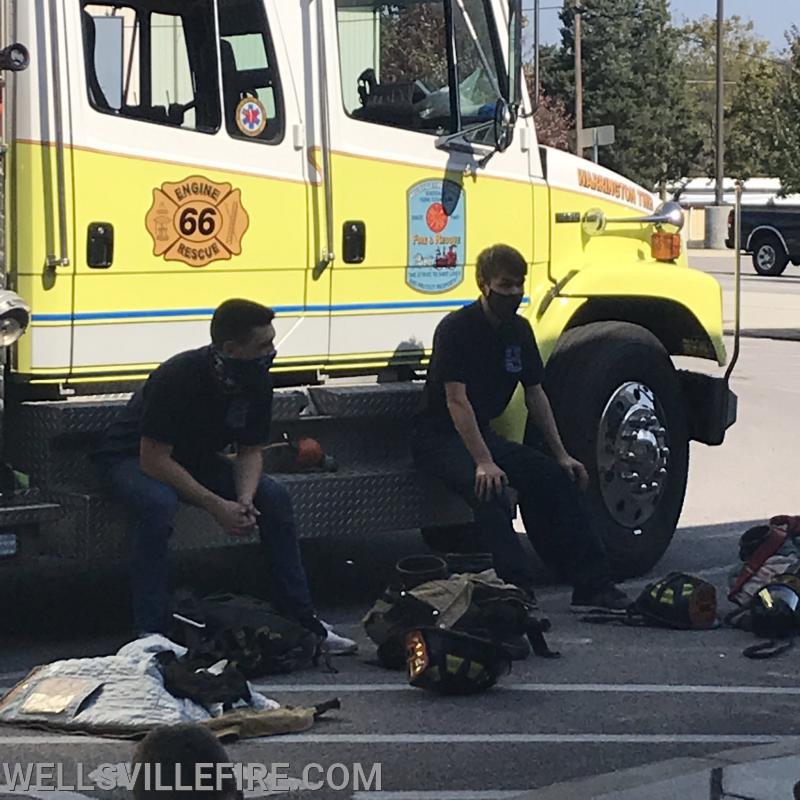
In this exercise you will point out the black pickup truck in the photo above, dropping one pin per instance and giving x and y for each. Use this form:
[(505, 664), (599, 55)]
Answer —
[(772, 234)]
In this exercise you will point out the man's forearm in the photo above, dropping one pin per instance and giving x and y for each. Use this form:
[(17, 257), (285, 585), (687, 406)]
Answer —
[(170, 472), (542, 417), (463, 417), (248, 467)]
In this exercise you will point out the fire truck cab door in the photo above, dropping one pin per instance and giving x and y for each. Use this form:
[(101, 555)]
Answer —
[(190, 187), (410, 217)]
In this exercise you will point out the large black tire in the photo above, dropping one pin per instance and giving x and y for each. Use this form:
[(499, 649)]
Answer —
[(769, 255), (591, 365)]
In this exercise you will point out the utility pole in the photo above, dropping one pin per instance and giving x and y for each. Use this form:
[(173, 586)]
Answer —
[(716, 215), (579, 80)]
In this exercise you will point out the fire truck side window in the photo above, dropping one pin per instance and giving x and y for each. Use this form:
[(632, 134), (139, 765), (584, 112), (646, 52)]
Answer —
[(154, 62), (251, 89), (394, 62)]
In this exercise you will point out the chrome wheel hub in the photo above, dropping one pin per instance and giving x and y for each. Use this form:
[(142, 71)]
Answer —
[(766, 256), (632, 454)]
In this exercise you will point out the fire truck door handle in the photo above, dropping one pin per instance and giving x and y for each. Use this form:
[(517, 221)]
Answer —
[(100, 245), (354, 242)]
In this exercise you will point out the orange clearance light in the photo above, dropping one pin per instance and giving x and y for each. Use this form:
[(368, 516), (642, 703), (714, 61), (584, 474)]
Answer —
[(416, 654), (666, 246)]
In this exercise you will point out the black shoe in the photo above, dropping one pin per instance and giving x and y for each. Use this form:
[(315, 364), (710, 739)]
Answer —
[(607, 597)]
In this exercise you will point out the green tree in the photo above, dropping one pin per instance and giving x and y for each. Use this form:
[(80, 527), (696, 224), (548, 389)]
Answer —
[(752, 139), (633, 80), (751, 77), (787, 124)]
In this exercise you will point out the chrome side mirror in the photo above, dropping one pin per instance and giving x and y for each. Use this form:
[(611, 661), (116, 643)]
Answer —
[(504, 121)]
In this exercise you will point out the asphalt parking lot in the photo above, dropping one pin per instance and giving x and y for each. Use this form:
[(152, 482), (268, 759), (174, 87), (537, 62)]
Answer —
[(618, 698)]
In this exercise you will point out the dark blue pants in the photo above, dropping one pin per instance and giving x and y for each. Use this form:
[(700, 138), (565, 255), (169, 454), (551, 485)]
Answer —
[(548, 499), (152, 506)]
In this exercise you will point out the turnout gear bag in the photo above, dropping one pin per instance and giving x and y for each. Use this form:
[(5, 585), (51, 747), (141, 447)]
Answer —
[(480, 605), (773, 615), (766, 551), (679, 601), (449, 662), (245, 631)]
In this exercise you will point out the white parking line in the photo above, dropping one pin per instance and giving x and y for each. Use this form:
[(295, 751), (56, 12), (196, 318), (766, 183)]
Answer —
[(590, 688), (534, 738), (458, 738), (618, 688), (488, 794)]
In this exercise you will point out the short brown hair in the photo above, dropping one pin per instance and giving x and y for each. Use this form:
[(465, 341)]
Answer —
[(177, 750), (500, 259), (235, 320)]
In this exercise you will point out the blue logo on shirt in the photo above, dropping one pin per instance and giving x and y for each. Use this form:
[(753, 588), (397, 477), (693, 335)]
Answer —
[(513, 358)]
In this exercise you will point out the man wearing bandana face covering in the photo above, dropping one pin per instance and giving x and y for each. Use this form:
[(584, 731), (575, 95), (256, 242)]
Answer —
[(165, 445), (481, 353)]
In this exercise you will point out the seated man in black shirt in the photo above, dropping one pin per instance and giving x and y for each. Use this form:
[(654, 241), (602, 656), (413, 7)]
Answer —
[(480, 354), (165, 445)]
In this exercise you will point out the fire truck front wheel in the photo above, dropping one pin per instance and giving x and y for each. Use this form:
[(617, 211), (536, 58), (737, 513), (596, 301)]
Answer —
[(620, 410)]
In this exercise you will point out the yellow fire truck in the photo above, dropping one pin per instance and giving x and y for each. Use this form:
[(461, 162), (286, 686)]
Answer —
[(343, 161)]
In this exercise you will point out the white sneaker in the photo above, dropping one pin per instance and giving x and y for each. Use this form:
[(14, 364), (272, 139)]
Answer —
[(338, 645)]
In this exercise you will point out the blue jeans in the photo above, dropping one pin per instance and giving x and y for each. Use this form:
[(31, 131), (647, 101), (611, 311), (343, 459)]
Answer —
[(549, 501), (152, 506)]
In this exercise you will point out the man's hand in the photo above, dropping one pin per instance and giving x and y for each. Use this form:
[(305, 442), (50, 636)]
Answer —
[(252, 512), (489, 480), (576, 471), (232, 516)]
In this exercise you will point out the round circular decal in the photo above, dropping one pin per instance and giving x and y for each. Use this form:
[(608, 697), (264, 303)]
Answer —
[(251, 116), (436, 218), (197, 221)]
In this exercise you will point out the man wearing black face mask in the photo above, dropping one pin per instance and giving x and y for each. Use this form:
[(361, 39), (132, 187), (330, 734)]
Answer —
[(481, 353), (165, 445)]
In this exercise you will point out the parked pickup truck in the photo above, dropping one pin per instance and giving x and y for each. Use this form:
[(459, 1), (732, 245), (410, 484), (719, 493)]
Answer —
[(771, 234)]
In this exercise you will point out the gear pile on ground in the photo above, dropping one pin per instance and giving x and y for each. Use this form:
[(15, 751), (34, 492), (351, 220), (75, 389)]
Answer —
[(491, 622), (139, 688)]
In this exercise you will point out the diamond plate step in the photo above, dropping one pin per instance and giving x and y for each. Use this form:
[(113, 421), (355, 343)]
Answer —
[(353, 504), (50, 440), (379, 400), (32, 514)]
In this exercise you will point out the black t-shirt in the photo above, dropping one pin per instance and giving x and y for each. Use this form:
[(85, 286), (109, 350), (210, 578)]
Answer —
[(184, 404), (490, 361)]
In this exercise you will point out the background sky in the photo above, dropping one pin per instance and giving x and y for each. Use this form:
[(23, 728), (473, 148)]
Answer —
[(771, 17)]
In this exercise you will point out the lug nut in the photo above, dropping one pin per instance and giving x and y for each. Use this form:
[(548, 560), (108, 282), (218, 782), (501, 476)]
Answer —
[(654, 485), (644, 487), (664, 452), (629, 476), (662, 471)]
